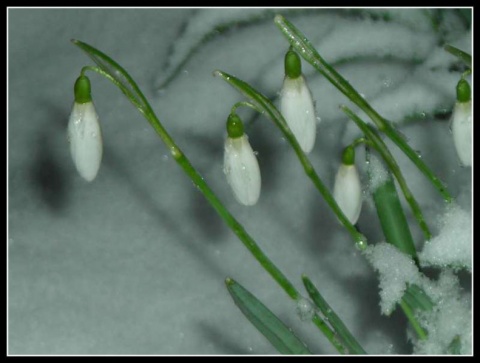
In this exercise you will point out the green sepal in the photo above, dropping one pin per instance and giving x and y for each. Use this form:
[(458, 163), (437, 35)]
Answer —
[(293, 65), (463, 91), (234, 126), (348, 155), (82, 90)]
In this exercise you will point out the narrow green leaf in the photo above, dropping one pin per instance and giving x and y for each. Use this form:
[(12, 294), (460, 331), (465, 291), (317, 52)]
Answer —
[(460, 54), (416, 298), (120, 78), (341, 330), (119, 75), (264, 106), (300, 42), (281, 337), (392, 218), (408, 311), (371, 133)]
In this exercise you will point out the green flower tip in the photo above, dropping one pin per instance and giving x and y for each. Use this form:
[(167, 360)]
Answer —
[(293, 65), (463, 91), (234, 126), (348, 155), (82, 90)]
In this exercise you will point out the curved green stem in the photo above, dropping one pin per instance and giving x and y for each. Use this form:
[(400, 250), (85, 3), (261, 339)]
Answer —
[(266, 107), (382, 149), (361, 140), (119, 77), (300, 42), (245, 104)]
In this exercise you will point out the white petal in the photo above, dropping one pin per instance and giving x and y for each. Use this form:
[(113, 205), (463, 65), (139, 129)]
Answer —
[(85, 139), (348, 192), (241, 169), (297, 107), (462, 129)]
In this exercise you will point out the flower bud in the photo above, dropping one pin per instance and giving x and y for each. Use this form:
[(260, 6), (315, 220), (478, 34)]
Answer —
[(347, 190), (84, 133), (240, 164), (462, 123), (296, 103)]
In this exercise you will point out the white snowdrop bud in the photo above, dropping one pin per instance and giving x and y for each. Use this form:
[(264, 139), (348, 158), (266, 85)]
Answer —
[(462, 123), (296, 103), (240, 164), (347, 190), (84, 133)]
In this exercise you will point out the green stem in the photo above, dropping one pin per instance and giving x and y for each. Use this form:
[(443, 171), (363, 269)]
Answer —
[(422, 335), (382, 149), (200, 183), (245, 104), (300, 42), (265, 106)]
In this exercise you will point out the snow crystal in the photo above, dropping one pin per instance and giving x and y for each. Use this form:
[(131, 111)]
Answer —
[(453, 245), (396, 269), (450, 318), (378, 173), (305, 309)]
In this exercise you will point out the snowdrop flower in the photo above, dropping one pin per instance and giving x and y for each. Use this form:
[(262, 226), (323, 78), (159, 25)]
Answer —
[(84, 132), (462, 125), (347, 190), (296, 103), (240, 164)]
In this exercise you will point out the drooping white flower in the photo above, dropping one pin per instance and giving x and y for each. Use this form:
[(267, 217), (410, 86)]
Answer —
[(240, 164), (296, 103), (462, 123), (84, 133), (347, 190)]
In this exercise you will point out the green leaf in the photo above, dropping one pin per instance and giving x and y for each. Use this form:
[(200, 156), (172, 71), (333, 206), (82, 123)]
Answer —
[(281, 337), (340, 329), (460, 54), (264, 106), (304, 47), (380, 146), (117, 75), (392, 217), (416, 298)]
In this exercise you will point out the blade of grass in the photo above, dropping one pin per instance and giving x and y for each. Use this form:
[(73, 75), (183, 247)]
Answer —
[(267, 323), (340, 329)]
